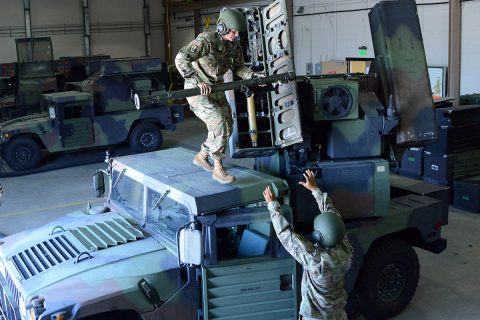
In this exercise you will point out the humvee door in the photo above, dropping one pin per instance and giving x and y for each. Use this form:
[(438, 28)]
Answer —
[(72, 118), (276, 118)]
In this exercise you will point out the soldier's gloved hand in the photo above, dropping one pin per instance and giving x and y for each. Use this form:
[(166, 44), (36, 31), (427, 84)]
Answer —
[(310, 182), (269, 195), (256, 75), (204, 88)]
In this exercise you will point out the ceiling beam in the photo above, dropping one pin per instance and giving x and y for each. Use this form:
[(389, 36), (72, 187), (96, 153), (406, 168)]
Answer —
[(177, 7)]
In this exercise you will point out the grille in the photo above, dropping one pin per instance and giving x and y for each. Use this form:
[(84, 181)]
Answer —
[(44, 255), (70, 244), (102, 235)]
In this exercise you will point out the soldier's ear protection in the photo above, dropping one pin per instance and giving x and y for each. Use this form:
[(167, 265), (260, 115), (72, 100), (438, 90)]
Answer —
[(222, 28), (317, 237)]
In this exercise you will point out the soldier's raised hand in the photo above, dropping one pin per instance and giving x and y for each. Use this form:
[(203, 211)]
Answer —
[(310, 182), (204, 88), (269, 195)]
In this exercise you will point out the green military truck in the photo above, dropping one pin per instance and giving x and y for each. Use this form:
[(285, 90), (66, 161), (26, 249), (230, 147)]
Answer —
[(77, 103), (171, 243), (96, 112)]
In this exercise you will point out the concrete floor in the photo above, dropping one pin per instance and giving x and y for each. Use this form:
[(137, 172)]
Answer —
[(449, 286)]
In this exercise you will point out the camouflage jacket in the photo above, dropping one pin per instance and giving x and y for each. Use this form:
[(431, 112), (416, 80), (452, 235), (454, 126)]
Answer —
[(207, 58), (323, 293)]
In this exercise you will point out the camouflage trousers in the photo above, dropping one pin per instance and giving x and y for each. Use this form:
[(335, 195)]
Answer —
[(215, 112)]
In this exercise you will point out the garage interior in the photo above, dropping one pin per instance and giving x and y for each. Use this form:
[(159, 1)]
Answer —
[(325, 34)]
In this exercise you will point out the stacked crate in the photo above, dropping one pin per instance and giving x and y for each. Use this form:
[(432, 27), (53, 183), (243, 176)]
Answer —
[(456, 153), (454, 159)]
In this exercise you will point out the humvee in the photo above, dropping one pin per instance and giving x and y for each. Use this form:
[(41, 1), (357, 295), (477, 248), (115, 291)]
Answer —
[(77, 103), (171, 243), (95, 112)]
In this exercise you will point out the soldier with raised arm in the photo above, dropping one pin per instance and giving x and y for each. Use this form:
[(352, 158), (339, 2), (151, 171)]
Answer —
[(325, 260), (203, 62)]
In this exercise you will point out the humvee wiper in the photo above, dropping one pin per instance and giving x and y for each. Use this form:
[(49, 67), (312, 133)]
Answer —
[(157, 203), (120, 176), (143, 100)]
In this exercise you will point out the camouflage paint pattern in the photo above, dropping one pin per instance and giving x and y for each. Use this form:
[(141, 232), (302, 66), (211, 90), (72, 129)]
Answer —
[(207, 59), (108, 111), (360, 137), (401, 63), (411, 218), (215, 112), (106, 129), (109, 280), (324, 269), (359, 188)]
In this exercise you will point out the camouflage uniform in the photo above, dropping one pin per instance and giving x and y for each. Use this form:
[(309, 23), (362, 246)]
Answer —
[(323, 293), (207, 59)]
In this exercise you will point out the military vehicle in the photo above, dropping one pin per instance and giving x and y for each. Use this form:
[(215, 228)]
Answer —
[(35, 73), (91, 112), (171, 243)]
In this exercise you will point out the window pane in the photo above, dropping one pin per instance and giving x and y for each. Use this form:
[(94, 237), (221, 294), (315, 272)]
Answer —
[(166, 215), (128, 194)]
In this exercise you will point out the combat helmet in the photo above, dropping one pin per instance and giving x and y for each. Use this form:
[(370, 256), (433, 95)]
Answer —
[(329, 229), (231, 19)]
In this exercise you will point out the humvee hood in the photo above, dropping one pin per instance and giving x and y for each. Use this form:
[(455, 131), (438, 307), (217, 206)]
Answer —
[(81, 248), (34, 118)]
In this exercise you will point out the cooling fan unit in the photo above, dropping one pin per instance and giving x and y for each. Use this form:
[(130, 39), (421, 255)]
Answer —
[(335, 99)]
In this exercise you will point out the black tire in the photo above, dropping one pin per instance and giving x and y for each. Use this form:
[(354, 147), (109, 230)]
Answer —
[(22, 153), (145, 137), (388, 279)]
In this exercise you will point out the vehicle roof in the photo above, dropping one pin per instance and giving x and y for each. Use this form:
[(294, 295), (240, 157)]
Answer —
[(172, 169), (60, 97)]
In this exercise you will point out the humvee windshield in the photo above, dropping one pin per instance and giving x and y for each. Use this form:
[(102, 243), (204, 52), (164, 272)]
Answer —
[(165, 214), (127, 193)]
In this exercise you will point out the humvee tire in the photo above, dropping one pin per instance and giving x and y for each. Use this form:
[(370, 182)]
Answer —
[(22, 153), (388, 279), (145, 137)]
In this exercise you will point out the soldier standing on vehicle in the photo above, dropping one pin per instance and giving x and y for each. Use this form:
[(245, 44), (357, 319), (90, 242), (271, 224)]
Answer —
[(203, 62), (325, 260)]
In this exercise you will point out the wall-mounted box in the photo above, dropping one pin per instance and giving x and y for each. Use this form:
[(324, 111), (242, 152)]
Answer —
[(333, 67)]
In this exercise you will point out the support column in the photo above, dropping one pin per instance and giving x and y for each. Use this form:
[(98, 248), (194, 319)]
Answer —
[(146, 28), (28, 19), (454, 49), (197, 22), (86, 28)]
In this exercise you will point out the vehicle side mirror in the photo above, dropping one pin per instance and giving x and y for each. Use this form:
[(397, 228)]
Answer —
[(99, 184), (190, 249), (51, 113)]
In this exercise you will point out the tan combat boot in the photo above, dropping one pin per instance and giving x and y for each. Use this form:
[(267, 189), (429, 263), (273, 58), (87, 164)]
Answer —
[(220, 174), (201, 160)]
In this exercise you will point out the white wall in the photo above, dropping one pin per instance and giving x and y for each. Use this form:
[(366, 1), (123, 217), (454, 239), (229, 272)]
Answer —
[(116, 27), (182, 24), (12, 25), (106, 16), (338, 35), (470, 65), (317, 37)]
